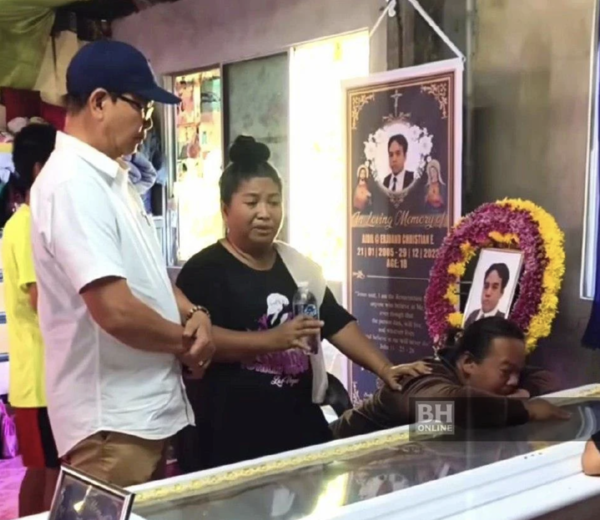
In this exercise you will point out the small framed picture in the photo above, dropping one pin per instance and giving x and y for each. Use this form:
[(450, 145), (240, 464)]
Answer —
[(496, 276), (81, 497)]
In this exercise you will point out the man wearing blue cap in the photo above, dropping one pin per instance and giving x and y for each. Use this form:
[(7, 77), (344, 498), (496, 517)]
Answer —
[(116, 331)]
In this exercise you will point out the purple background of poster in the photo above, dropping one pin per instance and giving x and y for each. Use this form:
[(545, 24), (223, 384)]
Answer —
[(387, 295)]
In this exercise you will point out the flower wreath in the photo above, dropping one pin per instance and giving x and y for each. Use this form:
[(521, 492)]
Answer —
[(513, 224)]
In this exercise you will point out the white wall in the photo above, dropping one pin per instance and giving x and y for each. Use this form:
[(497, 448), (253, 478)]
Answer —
[(191, 34)]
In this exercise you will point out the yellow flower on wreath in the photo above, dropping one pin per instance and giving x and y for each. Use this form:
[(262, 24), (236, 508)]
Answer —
[(554, 240)]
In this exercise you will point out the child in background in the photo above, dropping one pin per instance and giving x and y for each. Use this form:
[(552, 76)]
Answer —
[(32, 147)]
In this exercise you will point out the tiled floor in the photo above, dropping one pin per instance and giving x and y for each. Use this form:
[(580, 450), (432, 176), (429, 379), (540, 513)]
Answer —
[(11, 474)]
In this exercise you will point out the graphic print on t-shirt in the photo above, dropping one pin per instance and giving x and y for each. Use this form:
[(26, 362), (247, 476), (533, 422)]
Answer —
[(278, 312), (285, 363)]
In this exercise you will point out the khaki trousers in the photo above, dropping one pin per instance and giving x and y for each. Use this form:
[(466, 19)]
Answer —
[(117, 458)]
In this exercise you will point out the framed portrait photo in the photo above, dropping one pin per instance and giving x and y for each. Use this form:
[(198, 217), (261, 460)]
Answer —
[(81, 497), (494, 284)]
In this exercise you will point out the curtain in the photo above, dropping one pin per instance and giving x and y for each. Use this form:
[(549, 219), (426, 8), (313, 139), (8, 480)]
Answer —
[(25, 26), (44, 72), (51, 79), (591, 337)]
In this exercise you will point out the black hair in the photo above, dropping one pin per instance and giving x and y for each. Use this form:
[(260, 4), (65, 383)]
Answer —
[(477, 338), (33, 145), (248, 159), (75, 103), (503, 273), (400, 140)]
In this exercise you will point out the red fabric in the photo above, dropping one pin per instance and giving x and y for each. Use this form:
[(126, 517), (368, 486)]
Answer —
[(21, 103), (35, 438), (30, 441), (54, 115)]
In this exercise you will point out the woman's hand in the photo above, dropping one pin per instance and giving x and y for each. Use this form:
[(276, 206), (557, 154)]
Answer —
[(290, 334), (392, 374), (197, 342)]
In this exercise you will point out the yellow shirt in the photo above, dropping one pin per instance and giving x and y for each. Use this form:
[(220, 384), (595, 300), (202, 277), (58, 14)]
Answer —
[(27, 384)]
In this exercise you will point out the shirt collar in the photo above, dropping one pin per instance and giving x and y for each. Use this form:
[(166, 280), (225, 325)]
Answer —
[(399, 174), (488, 314), (95, 158)]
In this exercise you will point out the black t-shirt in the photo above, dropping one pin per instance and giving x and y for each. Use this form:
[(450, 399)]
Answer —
[(217, 280), (243, 299), (268, 398)]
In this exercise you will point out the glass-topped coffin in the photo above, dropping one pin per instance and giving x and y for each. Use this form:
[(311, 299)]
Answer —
[(319, 481)]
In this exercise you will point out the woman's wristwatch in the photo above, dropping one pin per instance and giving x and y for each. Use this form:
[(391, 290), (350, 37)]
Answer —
[(194, 310)]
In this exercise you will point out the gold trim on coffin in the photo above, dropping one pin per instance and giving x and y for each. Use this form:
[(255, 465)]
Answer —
[(262, 470), (324, 456)]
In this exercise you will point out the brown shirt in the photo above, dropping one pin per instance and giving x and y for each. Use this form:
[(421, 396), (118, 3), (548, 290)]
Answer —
[(472, 408)]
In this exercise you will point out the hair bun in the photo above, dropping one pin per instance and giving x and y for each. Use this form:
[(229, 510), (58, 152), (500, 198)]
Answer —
[(247, 152)]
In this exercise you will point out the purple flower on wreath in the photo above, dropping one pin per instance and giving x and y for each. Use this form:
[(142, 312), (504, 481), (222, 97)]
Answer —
[(475, 230)]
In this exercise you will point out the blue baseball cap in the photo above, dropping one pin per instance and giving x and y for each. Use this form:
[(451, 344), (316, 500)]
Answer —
[(116, 67)]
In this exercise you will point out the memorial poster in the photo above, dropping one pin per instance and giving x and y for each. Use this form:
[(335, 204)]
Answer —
[(403, 157)]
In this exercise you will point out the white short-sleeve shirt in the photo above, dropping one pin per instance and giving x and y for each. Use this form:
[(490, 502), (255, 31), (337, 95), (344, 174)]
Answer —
[(89, 223)]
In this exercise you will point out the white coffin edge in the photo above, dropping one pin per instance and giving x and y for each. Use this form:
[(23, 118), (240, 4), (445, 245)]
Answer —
[(486, 488), (519, 488)]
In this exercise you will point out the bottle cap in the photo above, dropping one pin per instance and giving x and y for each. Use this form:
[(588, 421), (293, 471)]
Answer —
[(302, 285)]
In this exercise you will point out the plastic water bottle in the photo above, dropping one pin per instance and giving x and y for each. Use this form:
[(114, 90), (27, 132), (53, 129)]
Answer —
[(305, 304)]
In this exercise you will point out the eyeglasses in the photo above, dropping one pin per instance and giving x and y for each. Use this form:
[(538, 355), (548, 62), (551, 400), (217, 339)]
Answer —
[(146, 109)]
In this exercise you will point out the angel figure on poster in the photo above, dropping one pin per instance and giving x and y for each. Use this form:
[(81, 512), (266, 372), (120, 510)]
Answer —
[(397, 154), (362, 193), (435, 189)]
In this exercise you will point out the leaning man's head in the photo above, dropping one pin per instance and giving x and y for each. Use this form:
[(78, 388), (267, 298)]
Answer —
[(111, 91), (494, 283), (489, 355)]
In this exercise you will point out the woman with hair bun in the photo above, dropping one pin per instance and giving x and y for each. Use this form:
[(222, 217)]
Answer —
[(482, 369), (262, 394)]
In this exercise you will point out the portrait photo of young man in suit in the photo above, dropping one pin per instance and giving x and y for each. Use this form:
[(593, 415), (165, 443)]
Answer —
[(495, 282), (399, 179)]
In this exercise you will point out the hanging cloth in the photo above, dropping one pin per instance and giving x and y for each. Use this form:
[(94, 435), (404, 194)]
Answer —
[(303, 269)]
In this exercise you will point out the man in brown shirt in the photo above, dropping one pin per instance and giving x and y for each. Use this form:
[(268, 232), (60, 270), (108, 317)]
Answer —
[(482, 370)]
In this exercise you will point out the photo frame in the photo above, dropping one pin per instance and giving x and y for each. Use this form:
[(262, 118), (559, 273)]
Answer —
[(494, 284), (79, 496)]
